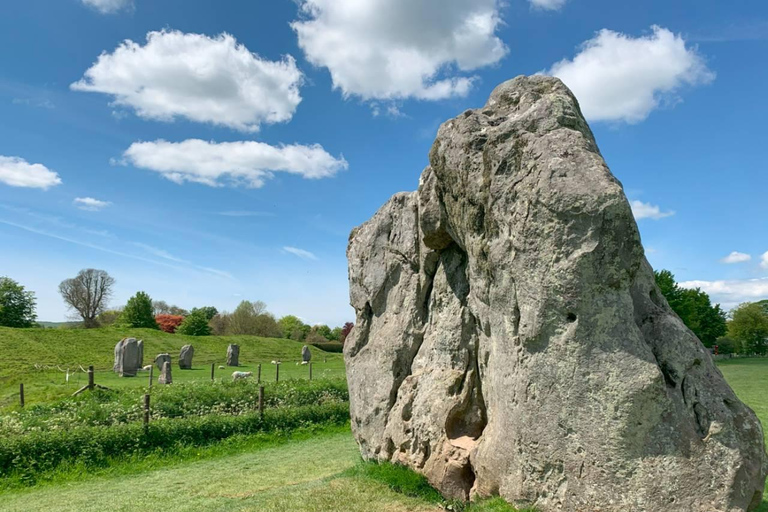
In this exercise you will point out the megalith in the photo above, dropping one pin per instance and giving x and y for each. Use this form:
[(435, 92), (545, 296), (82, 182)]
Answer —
[(306, 355), (127, 357), (233, 355), (165, 374), (185, 357), (510, 338), (161, 359)]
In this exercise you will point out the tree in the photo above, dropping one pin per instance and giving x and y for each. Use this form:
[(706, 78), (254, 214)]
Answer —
[(208, 311), (138, 312), (109, 317), (242, 319), (749, 326), (220, 324), (694, 308), (293, 328), (88, 294), (196, 324), (160, 307), (17, 306), (169, 323), (346, 330), (336, 334), (324, 331)]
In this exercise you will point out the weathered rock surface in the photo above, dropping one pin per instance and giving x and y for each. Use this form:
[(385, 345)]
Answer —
[(165, 374), (510, 338), (161, 359), (306, 355), (140, 357), (127, 357), (185, 357), (233, 355)]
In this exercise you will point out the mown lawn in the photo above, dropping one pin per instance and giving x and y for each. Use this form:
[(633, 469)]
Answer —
[(62, 349)]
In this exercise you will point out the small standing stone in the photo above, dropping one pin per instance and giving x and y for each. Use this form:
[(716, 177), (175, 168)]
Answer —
[(127, 357), (233, 355), (185, 357), (160, 359), (140, 357), (306, 355), (165, 374)]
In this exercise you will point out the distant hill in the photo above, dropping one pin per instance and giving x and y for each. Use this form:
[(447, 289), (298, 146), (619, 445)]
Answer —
[(56, 325)]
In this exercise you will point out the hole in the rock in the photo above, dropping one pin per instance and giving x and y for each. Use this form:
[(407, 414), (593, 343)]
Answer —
[(571, 317)]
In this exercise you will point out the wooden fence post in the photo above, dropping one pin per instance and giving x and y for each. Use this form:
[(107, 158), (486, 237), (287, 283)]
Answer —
[(212, 370), (261, 402), (91, 383), (258, 374), (151, 372), (146, 411), (310, 370), (277, 371), (21, 394)]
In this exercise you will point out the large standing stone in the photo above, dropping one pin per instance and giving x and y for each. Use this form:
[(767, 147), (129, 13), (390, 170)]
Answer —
[(233, 355), (510, 338), (306, 355), (127, 361), (165, 374), (185, 357), (161, 359)]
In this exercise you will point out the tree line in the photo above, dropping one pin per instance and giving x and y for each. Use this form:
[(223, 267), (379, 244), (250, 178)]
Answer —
[(88, 295)]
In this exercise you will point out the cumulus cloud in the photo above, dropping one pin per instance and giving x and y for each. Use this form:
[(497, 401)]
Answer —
[(109, 6), (736, 257), (17, 172), (643, 210), (732, 293), (246, 162), (764, 260), (301, 253), (617, 77), (204, 79), (395, 49), (549, 5), (90, 204)]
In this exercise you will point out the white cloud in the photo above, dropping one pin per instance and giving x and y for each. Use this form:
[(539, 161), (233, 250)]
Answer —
[(736, 257), (17, 172), (549, 5), (643, 210), (90, 204), (732, 293), (620, 78), (764, 260), (245, 213), (200, 78), (246, 162), (301, 253), (394, 49), (109, 6)]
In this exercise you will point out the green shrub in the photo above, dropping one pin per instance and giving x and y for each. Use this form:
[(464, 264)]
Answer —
[(196, 324), (138, 312)]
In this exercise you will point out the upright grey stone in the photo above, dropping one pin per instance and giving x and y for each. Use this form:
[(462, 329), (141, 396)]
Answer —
[(233, 355), (306, 355), (510, 337), (140, 357), (185, 357), (161, 359), (165, 374), (127, 357)]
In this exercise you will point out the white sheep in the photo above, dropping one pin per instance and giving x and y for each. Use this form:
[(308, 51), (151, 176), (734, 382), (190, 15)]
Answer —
[(147, 368), (241, 375), (222, 367)]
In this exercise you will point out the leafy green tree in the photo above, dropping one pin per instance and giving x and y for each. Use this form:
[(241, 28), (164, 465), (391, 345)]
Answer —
[(694, 308), (336, 334), (293, 328), (138, 312), (726, 345), (196, 324), (220, 324), (324, 331), (109, 317), (17, 306), (749, 325), (208, 311)]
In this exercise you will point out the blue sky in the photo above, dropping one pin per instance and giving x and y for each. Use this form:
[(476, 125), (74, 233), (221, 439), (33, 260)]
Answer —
[(213, 152)]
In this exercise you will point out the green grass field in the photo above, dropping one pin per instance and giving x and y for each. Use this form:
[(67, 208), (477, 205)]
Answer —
[(22, 349)]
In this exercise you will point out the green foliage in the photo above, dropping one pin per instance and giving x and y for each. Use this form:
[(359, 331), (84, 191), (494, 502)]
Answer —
[(324, 331), (336, 334), (293, 328), (749, 326), (400, 479), (138, 312), (109, 317), (196, 324), (208, 311), (26, 457), (694, 308), (17, 306), (726, 345)]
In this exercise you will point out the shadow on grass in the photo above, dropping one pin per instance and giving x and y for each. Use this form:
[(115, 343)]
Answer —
[(406, 481)]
